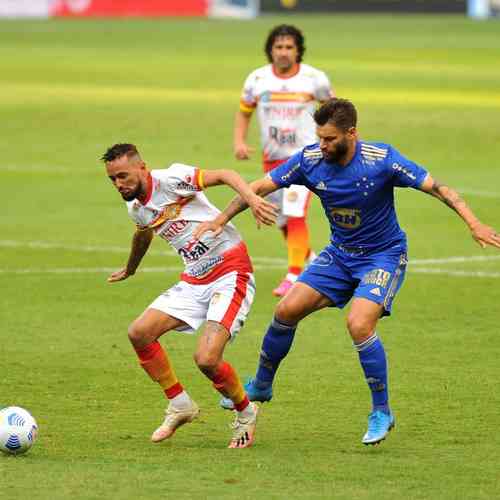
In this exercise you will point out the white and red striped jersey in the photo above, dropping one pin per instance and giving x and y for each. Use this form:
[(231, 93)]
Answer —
[(285, 107), (174, 206)]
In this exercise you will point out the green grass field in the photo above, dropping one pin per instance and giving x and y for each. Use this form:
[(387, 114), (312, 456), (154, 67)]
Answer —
[(428, 85)]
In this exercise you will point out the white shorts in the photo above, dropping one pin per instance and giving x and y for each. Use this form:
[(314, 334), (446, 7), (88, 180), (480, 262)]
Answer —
[(226, 301), (291, 202)]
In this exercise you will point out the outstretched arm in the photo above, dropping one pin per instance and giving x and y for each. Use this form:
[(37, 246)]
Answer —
[(263, 211), (483, 234), (140, 244), (260, 188)]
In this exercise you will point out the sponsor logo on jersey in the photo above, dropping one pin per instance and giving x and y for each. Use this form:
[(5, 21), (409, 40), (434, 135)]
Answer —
[(349, 218), (290, 172), (321, 186), (173, 229), (186, 186), (193, 250), (203, 268), (400, 168), (292, 196), (283, 136)]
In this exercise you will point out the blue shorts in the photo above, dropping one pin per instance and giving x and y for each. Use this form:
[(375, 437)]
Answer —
[(374, 276)]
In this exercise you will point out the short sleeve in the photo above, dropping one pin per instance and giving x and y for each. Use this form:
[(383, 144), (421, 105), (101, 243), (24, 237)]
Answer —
[(405, 173), (182, 180), (248, 99), (323, 88), (288, 173)]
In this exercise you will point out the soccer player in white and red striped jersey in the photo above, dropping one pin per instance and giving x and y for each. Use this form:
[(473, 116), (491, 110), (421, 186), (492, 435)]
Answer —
[(284, 94), (216, 288)]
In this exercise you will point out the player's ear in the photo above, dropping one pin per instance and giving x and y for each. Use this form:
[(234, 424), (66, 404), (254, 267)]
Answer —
[(352, 132)]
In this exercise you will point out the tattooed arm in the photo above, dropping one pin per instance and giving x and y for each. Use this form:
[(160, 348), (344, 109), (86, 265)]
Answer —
[(483, 234), (261, 187)]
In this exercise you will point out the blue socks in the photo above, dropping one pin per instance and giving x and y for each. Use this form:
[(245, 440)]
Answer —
[(372, 358), (275, 347)]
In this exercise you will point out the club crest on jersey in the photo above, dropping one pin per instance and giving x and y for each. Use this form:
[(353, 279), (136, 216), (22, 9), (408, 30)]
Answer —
[(349, 218), (169, 212)]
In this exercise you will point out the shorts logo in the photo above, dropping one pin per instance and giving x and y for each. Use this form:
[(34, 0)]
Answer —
[(376, 291), (215, 298), (377, 277), (349, 218)]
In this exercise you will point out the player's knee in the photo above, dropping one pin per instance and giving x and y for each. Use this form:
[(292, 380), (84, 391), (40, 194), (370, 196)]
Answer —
[(360, 328), (138, 334), (284, 312), (207, 362)]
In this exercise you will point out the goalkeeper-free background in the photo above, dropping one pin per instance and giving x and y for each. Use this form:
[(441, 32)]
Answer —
[(68, 90)]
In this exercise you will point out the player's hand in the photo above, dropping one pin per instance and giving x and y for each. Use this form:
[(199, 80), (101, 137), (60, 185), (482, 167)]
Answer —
[(204, 227), (485, 235), (120, 275), (263, 211), (242, 151)]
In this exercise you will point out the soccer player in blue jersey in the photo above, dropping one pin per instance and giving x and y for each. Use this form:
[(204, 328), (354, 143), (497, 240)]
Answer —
[(365, 261)]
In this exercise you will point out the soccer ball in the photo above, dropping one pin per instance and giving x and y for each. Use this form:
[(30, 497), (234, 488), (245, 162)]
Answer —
[(18, 430)]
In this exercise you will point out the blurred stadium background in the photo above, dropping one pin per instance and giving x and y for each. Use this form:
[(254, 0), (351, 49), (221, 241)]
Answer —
[(77, 76)]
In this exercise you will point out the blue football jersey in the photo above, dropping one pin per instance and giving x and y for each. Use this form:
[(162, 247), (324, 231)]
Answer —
[(358, 199)]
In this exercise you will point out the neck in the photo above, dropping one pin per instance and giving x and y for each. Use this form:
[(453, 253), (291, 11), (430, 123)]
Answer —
[(146, 188), (286, 72)]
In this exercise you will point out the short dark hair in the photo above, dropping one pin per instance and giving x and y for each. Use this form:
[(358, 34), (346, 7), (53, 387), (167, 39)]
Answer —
[(339, 112), (285, 30), (119, 150)]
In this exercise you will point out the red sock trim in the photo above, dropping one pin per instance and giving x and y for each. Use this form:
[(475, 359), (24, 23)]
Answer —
[(148, 352), (241, 406), (173, 391), (295, 270)]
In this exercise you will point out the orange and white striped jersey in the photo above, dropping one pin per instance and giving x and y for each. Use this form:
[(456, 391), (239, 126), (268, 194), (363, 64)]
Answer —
[(285, 107), (174, 207)]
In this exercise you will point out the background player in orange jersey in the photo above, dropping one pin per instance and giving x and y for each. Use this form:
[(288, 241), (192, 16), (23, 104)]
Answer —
[(216, 288), (284, 93)]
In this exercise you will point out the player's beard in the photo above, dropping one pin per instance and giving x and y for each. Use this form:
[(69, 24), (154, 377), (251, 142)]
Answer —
[(136, 193), (339, 154)]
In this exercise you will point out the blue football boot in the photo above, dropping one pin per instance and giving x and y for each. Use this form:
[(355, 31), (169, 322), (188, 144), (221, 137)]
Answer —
[(379, 425), (254, 393)]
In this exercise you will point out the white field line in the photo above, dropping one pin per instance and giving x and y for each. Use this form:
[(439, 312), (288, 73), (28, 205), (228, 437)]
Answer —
[(454, 260), (109, 270), (451, 272), (262, 263), (46, 245), (171, 253)]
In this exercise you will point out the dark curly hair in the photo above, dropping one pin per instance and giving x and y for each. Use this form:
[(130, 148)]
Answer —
[(119, 150), (285, 30), (340, 112)]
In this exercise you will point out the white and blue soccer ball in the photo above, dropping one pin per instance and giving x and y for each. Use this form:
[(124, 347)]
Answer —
[(18, 430)]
